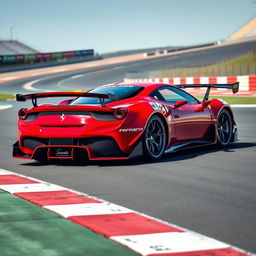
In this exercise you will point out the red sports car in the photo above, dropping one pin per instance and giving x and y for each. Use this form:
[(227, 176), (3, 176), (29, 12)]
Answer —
[(114, 121)]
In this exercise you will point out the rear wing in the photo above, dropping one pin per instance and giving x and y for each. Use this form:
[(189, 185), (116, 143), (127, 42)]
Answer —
[(35, 96), (233, 86)]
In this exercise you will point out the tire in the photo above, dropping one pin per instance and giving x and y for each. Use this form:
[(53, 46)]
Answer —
[(154, 139), (224, 128)]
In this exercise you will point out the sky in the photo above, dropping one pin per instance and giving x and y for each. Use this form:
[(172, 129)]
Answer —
[(113, 25)]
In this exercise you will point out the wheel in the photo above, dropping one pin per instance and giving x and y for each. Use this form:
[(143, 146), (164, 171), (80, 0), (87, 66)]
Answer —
[(154, 139), (225, 127)]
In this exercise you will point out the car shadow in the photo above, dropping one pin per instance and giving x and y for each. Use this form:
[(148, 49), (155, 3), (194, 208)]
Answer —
[(138, 160), (181, 154)]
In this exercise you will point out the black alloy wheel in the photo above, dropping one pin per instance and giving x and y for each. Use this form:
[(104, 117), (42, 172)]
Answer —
[(225, 128), (154, 139)]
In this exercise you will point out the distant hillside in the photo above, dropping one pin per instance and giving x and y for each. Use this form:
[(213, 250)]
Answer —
[(246, 31)]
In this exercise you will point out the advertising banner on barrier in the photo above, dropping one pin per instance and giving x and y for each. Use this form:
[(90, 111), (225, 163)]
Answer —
[(20, 58), (88, 52), (32, 57), (39, 56), (69, 54), (9, 58), (57, 55), (47, 56)]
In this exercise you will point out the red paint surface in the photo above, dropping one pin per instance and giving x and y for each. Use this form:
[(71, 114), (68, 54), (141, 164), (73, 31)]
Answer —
[(171, 81), (252, 83), (14, 179), (196, 80), (122, 224), (212, 80), (231, 79), (182, 80), (55, 198)]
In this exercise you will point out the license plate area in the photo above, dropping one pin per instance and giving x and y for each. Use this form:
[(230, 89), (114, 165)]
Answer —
[(60, 152)]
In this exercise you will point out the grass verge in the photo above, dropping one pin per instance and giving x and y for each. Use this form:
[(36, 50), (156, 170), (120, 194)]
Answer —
[(233, 99), (7, 96)]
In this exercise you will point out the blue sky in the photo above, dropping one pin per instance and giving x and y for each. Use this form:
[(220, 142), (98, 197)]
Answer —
[(111, 25)]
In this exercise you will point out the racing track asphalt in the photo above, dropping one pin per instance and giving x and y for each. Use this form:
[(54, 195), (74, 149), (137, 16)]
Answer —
[(208, 190)]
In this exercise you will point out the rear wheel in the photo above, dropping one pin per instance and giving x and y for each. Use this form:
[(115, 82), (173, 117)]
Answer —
[(154, 139), (225, 127)]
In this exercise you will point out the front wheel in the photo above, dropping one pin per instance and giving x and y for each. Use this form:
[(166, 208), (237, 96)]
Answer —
[(154, 139), (225, 128)]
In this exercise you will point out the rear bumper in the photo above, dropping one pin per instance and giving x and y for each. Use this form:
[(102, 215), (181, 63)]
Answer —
[(68, 152)]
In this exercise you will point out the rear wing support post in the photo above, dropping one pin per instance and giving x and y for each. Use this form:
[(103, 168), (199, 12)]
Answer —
[(206, 96)]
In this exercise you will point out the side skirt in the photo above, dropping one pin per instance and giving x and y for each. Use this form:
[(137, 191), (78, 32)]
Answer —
[(187, 145)]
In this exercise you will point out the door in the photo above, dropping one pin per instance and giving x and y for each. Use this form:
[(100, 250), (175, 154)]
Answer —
[(189, 123)]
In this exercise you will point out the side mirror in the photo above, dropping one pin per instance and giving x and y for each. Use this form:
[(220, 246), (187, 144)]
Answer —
[(204, 105), (180, 103)]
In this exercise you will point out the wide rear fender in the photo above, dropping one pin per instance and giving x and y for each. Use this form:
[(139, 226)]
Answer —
[(217, 105), (138, 116)]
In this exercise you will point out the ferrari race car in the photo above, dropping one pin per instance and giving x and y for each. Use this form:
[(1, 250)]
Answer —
[(113, 121)]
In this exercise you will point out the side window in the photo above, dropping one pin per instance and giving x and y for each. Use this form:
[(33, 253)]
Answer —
[(172, 95)]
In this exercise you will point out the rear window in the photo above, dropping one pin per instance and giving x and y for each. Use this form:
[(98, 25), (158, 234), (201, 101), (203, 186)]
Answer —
[(122, 92)]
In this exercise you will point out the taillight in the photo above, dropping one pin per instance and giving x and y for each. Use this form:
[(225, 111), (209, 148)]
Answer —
[(120, 113), (23, 114)]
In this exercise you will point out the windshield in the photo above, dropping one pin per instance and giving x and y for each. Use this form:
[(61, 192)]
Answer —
[(122, 92)]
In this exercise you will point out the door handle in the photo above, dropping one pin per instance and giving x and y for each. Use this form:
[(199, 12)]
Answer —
[(176, 116)]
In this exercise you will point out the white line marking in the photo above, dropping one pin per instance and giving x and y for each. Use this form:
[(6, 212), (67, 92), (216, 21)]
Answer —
[(77, 76), (119, 67), (59, 70), (172, 242), (33, 187), (5, 172), (5, 107), (243, 105), (9, 78), (28, 86), (59, 84), (87, 209)]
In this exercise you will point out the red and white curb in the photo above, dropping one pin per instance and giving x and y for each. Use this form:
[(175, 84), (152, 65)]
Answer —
[(139, 232), (247, 83)]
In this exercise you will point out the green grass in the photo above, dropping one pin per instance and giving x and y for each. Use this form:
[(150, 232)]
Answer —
[(243, 65), (246, 59), (7, 96), (233, 99)]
